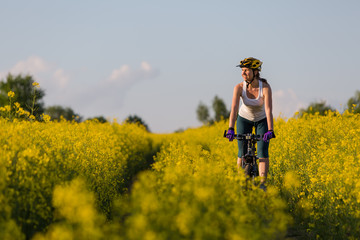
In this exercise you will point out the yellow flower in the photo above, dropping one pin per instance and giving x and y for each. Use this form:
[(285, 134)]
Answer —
[(11, 94), (35, 84), (46, 117), (291, 180)]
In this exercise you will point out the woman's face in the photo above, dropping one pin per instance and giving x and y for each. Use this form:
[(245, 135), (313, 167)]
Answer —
[(247, 74)]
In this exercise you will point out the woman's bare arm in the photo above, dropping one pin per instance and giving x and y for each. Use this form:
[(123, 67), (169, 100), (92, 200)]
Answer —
[(235, 105), (268, 106)]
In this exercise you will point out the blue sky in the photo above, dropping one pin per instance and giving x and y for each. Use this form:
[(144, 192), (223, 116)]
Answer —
[(159, 59)]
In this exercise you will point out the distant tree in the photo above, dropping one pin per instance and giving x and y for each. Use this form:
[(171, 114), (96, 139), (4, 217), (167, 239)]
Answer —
[(101, 119), (354, 102), (55, 112), (24, 91), (180, 130), (202, 112), (219, 108), (316, 107), (136, 119)]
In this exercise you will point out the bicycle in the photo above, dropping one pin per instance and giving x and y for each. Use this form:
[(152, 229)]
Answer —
[(249, 160)]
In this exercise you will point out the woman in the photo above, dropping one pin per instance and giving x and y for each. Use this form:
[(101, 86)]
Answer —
[(255, 111)]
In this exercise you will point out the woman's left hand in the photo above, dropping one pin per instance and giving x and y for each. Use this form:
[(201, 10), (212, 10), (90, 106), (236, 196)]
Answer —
[(268, 135)]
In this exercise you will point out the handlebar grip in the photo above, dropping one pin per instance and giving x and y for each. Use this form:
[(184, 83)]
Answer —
[(248, 136)]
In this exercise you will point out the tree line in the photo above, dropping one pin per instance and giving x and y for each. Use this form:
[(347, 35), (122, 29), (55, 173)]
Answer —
[(31, 100), (320, 107), (221, 112)]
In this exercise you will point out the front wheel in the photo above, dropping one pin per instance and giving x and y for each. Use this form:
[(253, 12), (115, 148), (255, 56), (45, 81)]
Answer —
[(247, 170)]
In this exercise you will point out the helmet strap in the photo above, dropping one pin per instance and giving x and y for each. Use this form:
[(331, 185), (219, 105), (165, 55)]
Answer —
[(249, 82), (254, 76)]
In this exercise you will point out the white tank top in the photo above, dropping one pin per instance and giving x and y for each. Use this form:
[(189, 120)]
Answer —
[(252, 109)]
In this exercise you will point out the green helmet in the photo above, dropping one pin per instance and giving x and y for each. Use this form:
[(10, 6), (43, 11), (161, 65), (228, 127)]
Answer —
[(251, 62)]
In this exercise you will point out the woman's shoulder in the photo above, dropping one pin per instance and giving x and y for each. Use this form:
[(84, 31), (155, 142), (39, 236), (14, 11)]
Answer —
[(266, 88), (239, 85), (238, 88)]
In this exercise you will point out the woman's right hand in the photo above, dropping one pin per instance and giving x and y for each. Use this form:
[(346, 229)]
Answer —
[(230, 134)]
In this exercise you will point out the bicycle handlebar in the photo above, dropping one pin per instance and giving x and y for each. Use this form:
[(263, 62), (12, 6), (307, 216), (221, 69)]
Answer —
[(247, 136)]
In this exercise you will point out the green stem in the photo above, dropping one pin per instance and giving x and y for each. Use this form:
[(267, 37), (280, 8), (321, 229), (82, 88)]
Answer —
[(10, 109), (33, 103)]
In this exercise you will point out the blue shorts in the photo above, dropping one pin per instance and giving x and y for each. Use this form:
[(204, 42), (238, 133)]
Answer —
[(246, 126)]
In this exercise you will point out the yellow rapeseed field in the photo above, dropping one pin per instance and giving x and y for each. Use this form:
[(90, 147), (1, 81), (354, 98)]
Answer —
[(37, 157), (68, 180)]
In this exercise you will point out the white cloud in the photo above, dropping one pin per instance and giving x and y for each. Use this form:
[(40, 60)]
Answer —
[(125, 76), (99, 98), (286, 103), (122, 72), (109, 95), (43, 72), (61, 78), (32, 65), (145, 66)]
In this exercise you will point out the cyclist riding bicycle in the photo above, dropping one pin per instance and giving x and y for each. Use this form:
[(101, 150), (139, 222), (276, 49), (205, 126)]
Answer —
[(255, 111)]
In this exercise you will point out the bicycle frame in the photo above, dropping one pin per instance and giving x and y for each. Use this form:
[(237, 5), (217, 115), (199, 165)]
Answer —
[(249, 160)]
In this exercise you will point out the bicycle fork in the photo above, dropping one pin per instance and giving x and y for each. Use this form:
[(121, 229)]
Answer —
[(249, 163)]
